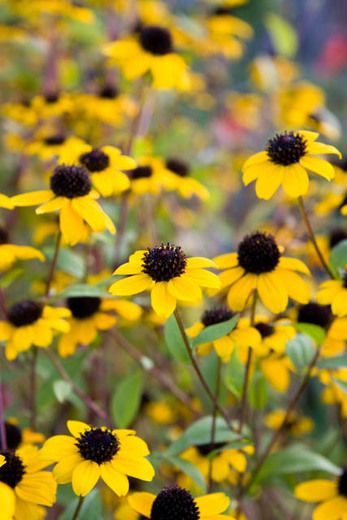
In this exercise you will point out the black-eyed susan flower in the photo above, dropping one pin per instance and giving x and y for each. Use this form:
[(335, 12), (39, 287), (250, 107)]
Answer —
[(31, 323), (240, 337), (277, 370), (330, 494), (49, 144), (5, 202), (10, 253), (334, 293), (94, 453), (166, 271), (186, 186), (296, 424), (150, 50), (274, 334), (150, 176), (104, 165), (259, 265), (71, 194), (285, 163), (176, 503), (90, 314), (24, 487)]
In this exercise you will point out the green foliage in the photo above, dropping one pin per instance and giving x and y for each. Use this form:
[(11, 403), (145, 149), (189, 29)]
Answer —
[(214, 332), (338, 257), (126, 399), (301, 350), (174, 341)]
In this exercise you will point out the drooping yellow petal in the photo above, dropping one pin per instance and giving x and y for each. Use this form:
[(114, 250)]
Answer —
[(131, 285), (323, 149), (115, 480), (71, 225), (257, 158), (293, 264), (212, 504), (33, 198), (272, 292), (316, 490), (84, 477), (52, 205), (197, 262), (142, 503), (92, 213), (77, 427), (295, 181), (163, 302), (226, 261), (8, 501), (339, 303), (296, 287), (138, 467), (240, 291), (38, 487), (320, 166), (269, 181)]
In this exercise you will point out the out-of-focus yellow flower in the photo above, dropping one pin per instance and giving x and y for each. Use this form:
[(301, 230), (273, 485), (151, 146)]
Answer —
[(268, 72), (296, 425)]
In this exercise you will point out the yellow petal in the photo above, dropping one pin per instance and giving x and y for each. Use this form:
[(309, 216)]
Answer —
[(321, 148), (84, 477), (52, 205), (182, 288), (64, 469), (33, 198), (92, 213), (320, 166), (197, 262), (8, 501), (59, 446), (114, 479), (230, 276), (204, 278), (240, 292), (296, 287), (257, 158), (129, 268), (139, 468), (293, 264), (316, 490), (269, 181), (142, 503), (71, 225), (226, 261), (331, 510), (272, 292), (212, 504), (295, 181), (131, 285), (162, 300), (5, 202), (77, 427)]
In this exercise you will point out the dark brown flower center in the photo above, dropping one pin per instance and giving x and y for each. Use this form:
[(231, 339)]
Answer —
[(12, 472), (83, 307), (55, 140), (214, 316), (174, 503), (342, 484), (258, 253), (95, 161), (156, 40), (108, 92), (164, 262), (70, 181), (3, 236), (24, 313), (178, 166), (13, 436), (315, 314), (264, 329), (287, 148), (336, 236), (99, 445)]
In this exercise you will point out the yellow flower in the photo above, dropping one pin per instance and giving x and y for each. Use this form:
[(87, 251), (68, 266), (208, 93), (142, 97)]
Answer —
[(168, 274), (10, 253), (334, 293), (331, 496), (6, 202), (93, 453), (242, 336), (258, 265), (89, 315), (151, 176), (274, 334), (180, 501), (151, 51), (71, 194), (277, 369), (104, 165), (296, 425), (186, 186), (48, 144), (285, 163), (31, 323), (24, 487)]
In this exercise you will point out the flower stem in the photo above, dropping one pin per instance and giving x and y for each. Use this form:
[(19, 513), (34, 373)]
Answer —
[(33, 388), (214, 422), (53, 264), (277, 434), (313, 238), (78, 508), (248, 367), (198, 371), (3, 437)]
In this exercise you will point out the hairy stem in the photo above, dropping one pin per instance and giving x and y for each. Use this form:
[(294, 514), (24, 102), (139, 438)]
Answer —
[(214, 422), (78, 508)]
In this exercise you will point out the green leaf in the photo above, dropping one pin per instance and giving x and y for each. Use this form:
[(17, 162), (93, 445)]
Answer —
[(91, 508), (338, 256), (200, 433), (8, 278), (126, 399), (295, 459), (300, 350), (333, 362), (234, 375), (174, 341), (68, 261), (62, 390), (258, 394), (84, 290), (188, 468), (316, 332), (213, 332), (283, 35)]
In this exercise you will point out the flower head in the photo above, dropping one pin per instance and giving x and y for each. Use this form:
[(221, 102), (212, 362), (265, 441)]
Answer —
[(259, 265), (10, 253), (285, 163), (334, 292), (166, 271), (71, 194), (176, 503), (31, 323), (94, 452)]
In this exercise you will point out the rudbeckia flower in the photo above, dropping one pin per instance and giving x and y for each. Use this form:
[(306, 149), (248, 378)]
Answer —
[(331, 496), (30, 323), (296, 424), (10, 253), (274, 334), (176, 502), (151, 176), (242, 337), (71, 194), (259, 265), (151, 50), (5, 202), (89, 314), (334, 293), (104, 165), (186, 186), (93, 453), (24, 487), (168, 274), (50, 144), (285, 163)]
